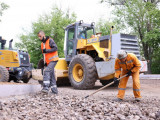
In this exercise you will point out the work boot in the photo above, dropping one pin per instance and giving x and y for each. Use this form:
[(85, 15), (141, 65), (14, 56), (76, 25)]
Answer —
[(45, 90), (118, 100), (54, 89), (137, 99)]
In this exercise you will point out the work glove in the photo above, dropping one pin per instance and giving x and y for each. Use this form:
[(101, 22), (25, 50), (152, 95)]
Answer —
[(129, 73), (116, 80), (44, 51)]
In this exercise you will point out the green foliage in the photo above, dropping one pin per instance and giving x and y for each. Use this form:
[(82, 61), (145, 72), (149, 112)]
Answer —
[(143, 18), (52, 24), (3, 7), (153, 39), (155, 62), (104, 27)]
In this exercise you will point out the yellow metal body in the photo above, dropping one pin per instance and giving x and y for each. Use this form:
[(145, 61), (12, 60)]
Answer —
[(94, 44), (61, 68), (9, 58)]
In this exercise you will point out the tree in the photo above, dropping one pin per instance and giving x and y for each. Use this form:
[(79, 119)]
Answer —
[(53, 25), (142, 16), (3, 7), (104, 26)]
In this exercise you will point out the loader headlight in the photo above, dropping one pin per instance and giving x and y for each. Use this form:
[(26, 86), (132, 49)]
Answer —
[(20, 73)]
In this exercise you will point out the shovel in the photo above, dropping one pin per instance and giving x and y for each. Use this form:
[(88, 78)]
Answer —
[(104, 86)]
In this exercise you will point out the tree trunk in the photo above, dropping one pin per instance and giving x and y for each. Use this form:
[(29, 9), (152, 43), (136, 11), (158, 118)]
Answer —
[(147, 55), (149, 66)]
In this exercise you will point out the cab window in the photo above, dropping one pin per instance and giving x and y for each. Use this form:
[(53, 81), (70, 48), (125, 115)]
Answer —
[(89, 33), (71, 34), (85, 32), (70, 41)]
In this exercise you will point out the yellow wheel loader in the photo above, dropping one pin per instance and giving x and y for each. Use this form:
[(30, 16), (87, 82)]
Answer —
[(14, 64), (90, 57)]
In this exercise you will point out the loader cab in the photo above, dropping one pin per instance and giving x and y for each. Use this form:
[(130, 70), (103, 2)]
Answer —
[(73, 33)]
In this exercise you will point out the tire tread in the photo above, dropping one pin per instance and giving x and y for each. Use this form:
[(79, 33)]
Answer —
[(90, 79), (5, 74)]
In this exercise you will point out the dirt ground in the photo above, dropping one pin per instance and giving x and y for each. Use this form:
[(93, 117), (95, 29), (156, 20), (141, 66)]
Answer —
[(149, 88)]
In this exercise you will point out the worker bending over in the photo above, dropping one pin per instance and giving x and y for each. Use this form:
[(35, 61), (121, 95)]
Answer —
[(49, 50), (127, 63)]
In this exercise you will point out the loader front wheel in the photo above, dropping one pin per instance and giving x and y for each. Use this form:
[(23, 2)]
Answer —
[(82, 72), (4, 74)]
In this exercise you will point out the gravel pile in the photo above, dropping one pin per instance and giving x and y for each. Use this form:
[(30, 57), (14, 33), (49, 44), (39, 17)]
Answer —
[(50, 107)]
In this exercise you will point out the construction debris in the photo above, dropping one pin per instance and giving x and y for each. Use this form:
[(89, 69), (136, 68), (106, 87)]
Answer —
[(69, 107)]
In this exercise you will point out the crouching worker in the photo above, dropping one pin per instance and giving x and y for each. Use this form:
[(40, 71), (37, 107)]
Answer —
[(130, 65), (49, 50)]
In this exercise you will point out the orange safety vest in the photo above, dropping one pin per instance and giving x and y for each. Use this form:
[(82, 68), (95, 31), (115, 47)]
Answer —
[(53, 56)]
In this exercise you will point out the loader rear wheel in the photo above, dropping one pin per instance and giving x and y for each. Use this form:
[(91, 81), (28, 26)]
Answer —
[(4, 74), (63, 82), (82, 72)]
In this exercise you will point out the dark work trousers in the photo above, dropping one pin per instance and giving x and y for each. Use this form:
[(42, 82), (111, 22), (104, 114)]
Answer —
[(49, 79)]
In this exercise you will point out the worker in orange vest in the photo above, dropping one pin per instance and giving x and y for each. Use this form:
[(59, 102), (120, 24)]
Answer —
[(49, 50), (130, 65)]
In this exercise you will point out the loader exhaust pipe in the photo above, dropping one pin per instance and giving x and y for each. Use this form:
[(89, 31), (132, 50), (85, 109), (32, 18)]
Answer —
[(111, 32), (111, 37), (3, 42), (10, 44)]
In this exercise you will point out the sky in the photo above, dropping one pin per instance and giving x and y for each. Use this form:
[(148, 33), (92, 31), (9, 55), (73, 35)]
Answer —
[(21, 13)]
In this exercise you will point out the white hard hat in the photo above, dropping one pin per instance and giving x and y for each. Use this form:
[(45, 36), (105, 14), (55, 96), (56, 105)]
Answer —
[(121, 54)]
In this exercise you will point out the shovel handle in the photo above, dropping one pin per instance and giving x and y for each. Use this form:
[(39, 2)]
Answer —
[(105, 86)]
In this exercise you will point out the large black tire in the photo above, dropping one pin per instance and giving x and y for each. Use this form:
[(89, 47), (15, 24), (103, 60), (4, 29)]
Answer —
[(82, 72), (105, 82), (4, 74)]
